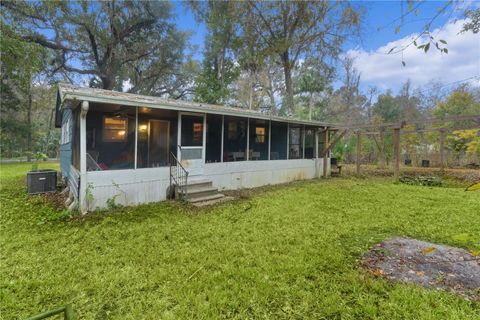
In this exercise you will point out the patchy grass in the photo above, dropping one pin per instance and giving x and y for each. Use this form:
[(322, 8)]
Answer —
[(451, 176), (286, 252)]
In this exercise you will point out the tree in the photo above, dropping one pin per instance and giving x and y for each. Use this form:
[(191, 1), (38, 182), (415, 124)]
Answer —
[(218, 69), (460, 102), (290, 29), (20, 63), (108, 42), (387, 107), (312, 80)]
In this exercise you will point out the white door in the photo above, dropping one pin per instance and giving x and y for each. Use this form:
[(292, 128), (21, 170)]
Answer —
[(191, 142)]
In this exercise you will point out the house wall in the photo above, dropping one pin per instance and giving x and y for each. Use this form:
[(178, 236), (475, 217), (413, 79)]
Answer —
[(132, 187)]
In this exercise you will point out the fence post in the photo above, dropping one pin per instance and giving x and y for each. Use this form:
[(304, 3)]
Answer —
[(359, 150), (442, 149), (396, 152), (325, 153)]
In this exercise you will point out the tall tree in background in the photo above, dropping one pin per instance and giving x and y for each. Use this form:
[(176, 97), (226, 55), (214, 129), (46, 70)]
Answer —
[(312, 80), (219, 71), (20, 63), (290, 29), (108, 41)]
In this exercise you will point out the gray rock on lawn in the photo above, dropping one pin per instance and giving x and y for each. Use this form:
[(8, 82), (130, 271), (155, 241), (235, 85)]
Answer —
[(427, 264)]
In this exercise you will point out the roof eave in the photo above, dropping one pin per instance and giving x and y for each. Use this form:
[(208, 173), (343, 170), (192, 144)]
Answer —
[(67, 94)]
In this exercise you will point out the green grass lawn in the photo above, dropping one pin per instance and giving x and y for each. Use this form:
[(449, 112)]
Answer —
[(289, 252)]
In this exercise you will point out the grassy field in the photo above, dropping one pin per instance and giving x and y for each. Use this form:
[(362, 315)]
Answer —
[(289, 252)]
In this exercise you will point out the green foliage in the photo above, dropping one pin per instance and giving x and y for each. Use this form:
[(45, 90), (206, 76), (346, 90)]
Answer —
[(387, 107), (108, 41), (293, 254), (421, 180), (89, 198), (473, 24), (218, 69), (22, 64), (112, 204), (459, 102)]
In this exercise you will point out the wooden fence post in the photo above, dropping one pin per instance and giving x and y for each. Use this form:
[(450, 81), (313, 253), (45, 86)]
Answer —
[(359, 150), (396, 152), (442, 149)]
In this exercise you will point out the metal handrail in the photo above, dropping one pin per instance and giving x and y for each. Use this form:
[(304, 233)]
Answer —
[(178, 177)]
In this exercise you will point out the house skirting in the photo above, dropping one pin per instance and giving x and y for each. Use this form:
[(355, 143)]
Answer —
[(138, 186)]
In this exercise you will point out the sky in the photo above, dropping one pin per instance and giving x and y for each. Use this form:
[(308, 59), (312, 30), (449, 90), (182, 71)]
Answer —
[(385, 71)]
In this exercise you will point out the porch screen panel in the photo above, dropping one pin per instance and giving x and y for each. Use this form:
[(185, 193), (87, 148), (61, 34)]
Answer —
[(278, 146), (321, 142), (157, 137), (295, 142), (214, 138), (258, 139), (309, 143), (235, 139), (192, 131), (110, 137)]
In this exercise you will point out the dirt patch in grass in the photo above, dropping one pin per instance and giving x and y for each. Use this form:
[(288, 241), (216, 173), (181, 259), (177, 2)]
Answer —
[(457, 174), (427, 264), (54, 199)]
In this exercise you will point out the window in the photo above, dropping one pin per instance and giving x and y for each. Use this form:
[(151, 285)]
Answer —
[(65, 137), (260, 135), (115, 129)]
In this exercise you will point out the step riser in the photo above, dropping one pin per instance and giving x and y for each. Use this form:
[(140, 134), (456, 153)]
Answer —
[(200, 185), (206, 198), (199, 194)]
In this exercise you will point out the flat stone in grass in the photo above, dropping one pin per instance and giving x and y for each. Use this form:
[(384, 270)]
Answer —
[(427, 264)]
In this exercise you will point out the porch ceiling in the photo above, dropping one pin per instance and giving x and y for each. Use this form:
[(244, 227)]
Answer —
[(72, 93)]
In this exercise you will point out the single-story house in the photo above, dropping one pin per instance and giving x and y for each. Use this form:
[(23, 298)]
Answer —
[(131, 149)]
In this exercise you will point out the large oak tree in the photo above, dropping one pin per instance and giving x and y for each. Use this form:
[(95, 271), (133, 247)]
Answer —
[(106, 41)]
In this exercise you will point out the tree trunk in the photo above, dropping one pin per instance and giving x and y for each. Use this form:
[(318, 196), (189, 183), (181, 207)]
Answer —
[(250, 98), (29, 121), (271, 93), (288, 82), (107, 83), (310, 107)]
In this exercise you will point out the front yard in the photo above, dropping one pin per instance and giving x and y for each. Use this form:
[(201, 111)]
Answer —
[(286, 252)]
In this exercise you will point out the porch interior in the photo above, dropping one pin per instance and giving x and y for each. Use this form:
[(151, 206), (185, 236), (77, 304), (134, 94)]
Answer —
[(124, 137)]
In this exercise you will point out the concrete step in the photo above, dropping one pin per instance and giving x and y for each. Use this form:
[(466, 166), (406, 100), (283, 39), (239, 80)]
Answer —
[(196, 191), (199, 183), (205, 198), (212, 202)]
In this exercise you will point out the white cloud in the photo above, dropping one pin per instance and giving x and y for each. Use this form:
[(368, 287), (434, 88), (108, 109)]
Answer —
[(386, 70)]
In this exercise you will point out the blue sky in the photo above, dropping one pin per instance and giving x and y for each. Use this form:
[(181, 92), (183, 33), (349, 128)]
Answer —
[(379, 14), (370, 48)]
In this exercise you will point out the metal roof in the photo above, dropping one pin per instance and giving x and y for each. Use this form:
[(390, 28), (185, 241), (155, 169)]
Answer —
[(67, 92)]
